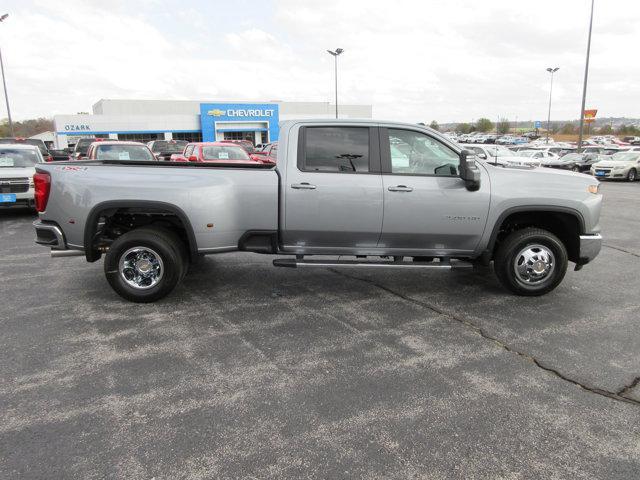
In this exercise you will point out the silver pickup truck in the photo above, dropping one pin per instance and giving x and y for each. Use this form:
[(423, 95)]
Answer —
[(343, 194)]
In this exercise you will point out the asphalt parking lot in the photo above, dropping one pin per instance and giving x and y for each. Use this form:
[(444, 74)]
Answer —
[(249, 371)]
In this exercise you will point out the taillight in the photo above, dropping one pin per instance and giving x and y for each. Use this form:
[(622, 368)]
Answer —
[(49, 158), (42, 181)]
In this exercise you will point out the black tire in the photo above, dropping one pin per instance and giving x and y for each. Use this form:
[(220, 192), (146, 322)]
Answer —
[(632, 175), (575, 168), (513, 245), (154, 241)]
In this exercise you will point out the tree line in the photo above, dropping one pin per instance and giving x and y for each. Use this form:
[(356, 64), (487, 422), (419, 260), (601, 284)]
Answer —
[(503, 126), (26, 128)]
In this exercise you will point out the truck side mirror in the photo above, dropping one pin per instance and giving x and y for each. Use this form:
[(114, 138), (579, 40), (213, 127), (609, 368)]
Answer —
[(469, 172)]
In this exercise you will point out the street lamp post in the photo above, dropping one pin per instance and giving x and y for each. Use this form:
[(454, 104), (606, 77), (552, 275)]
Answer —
[(4, 83), (335, 56), (586, 74), (551, 71)]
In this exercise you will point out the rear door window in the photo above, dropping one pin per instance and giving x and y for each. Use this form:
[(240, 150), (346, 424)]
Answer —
[(336, 149)]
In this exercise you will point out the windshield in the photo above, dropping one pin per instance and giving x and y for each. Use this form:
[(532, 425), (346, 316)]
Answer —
[(172, 146), (626, 156), (123, 152), (215, 152), (18, 158)]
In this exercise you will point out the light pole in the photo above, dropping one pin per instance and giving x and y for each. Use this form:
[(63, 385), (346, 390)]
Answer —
[(335, 56), (4, 83), (551, 71), (586, 74)]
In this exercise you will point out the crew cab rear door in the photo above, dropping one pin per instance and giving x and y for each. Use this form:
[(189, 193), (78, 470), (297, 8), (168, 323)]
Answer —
[(427, 207), (333, 192)]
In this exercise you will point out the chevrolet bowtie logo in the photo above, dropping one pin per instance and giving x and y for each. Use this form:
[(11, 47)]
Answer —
[(216, 112)]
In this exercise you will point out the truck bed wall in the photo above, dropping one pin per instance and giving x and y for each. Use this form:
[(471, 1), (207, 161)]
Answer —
[(233, 200)]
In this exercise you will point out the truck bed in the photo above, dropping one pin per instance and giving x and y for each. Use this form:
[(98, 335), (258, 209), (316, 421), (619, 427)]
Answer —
[(221, 202)]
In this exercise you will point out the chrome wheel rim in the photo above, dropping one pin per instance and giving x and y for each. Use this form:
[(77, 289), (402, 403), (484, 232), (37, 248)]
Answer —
[(534, 264), (141, 268)]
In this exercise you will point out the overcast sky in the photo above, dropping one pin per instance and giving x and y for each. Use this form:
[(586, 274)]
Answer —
[(454, 60)]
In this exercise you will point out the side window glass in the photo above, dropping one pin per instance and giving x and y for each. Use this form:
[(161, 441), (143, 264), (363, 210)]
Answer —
[(419, 154), (336, 149), (188, 151)]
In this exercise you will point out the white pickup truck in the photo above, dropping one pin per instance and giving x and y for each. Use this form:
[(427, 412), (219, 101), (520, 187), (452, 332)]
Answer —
[(385, 194)]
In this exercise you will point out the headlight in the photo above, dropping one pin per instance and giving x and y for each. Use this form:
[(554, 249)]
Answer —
[(618, 168), (31, 184), (593, 189)]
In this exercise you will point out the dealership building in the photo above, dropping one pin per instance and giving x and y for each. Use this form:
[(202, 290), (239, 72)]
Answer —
[(195, 121)]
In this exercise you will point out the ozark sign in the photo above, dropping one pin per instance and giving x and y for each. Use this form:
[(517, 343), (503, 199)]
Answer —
[(81, 127)]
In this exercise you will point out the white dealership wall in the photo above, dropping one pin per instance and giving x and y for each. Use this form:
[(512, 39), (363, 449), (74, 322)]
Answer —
[(171, 116)]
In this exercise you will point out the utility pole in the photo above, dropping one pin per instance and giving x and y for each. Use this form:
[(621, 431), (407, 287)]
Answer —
[(335, 56), (551, 71), (4, 83), (586, 75)]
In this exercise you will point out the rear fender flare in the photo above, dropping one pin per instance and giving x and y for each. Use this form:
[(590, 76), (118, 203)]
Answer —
[(92, 222)]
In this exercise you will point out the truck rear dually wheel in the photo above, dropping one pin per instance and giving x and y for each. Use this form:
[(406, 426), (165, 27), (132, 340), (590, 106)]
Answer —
[(145, 264), (531, 262)]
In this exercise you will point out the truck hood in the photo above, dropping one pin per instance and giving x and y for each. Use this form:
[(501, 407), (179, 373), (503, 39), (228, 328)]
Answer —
[(17, 172)]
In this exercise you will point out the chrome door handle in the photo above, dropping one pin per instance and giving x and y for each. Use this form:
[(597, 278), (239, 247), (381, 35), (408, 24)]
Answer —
[(400, 188), (303, 186)]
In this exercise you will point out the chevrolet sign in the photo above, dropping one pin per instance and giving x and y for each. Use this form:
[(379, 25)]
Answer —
[(241, 112)]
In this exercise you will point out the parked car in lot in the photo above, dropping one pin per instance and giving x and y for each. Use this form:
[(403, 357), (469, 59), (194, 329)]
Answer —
[(540, 155), (163, 149), (60, 155), (326, 196), (511, 140), (501, 155), (82, 147), (29, 141), (269, 153), (246, 144), (119, 150), (17, 167), (217, 152), (558, 149), (622, 166), (576, 162)]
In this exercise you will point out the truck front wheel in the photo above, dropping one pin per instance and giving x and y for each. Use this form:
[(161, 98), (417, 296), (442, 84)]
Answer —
[(145, 264), (531, 262)]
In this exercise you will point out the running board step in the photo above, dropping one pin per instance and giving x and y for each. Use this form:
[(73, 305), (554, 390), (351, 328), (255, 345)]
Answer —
[(444, 265)]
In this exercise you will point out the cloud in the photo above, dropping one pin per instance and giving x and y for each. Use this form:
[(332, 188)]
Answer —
[(412, 60)]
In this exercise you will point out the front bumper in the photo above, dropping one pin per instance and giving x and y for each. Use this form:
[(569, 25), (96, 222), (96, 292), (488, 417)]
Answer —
[(21, 199), (50, 235), (590, 246), (608, 172)]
